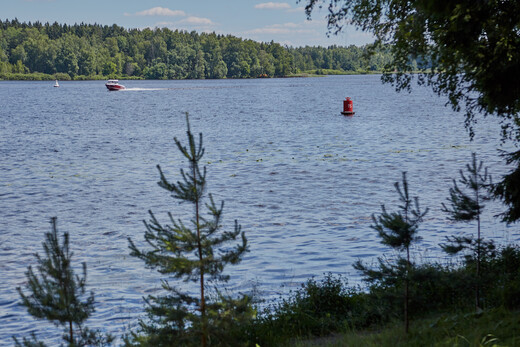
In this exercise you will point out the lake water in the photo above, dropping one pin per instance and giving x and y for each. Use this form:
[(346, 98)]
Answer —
[(301, 179)]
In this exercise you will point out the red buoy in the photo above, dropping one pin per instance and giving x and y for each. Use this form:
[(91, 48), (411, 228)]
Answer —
[(348, 107)]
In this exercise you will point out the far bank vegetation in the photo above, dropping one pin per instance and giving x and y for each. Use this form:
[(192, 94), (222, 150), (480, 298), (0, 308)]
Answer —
[(37, 51)]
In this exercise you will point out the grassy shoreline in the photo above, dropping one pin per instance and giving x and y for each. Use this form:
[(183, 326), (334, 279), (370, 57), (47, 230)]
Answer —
[(38, 76), (496, 327), (330, 312)]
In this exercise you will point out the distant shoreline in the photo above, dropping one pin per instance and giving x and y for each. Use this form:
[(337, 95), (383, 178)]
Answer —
[(65, 77)]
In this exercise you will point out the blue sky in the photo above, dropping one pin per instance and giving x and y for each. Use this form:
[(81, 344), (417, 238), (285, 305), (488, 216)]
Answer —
[(281, 21)]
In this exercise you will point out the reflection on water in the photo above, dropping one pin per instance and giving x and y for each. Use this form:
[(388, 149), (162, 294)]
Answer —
[(302, 179)]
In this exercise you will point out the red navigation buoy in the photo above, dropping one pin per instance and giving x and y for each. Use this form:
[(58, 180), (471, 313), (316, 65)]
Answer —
[(348, 107)]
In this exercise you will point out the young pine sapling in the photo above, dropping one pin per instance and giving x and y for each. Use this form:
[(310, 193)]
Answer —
[(56, 294), (397, 230), (466, 206), (195, 254)]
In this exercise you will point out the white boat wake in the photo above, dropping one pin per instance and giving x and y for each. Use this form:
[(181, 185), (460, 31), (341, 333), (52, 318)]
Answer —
[(142, 89)]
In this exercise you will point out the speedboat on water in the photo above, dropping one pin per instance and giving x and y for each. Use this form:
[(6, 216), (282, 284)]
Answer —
[(114, 85)]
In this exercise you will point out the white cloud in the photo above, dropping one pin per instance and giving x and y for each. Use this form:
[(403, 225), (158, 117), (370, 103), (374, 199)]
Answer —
[(273, 6), (159, 11), (197, 21), (190, 23), (186, 23)]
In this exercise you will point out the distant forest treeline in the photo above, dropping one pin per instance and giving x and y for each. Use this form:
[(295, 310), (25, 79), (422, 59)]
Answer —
[(93, 51)]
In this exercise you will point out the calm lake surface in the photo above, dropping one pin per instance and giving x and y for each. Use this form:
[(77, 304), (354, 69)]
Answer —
[(301, 179)]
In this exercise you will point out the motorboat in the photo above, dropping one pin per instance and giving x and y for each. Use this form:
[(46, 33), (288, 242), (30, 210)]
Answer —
[(56, 85), (114, 85)]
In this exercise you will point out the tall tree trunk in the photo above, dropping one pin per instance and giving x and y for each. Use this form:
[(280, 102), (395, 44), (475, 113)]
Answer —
[(406, 292), (199, 245), (71, 333), (477, 289)]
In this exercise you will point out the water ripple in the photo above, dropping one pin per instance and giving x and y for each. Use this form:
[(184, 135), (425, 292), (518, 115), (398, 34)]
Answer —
[(301, 179)]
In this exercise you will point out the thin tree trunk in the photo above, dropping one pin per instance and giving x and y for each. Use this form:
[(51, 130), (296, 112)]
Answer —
[(69, 314), (406, 292), (71, 332), (477, 289), (406, 284), (202, 296)]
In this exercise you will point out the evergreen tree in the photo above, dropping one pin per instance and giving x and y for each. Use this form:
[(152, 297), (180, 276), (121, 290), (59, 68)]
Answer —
[(508, 190), (196, 254), (397, 230), (56, 294), (29, 343), (467, 207)]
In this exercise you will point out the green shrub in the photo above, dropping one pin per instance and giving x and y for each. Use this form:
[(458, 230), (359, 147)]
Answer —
[(35, 76), (502, 279), (62, 76), (317, 308)]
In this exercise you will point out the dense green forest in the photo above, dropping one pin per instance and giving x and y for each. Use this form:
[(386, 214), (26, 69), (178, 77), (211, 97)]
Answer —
[(93, 51)]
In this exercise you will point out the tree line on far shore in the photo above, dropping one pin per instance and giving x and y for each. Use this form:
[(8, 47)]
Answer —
[(93, 51)]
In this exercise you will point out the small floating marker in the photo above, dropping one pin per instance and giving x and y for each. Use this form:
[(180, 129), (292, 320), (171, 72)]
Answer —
[(348, 107)]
